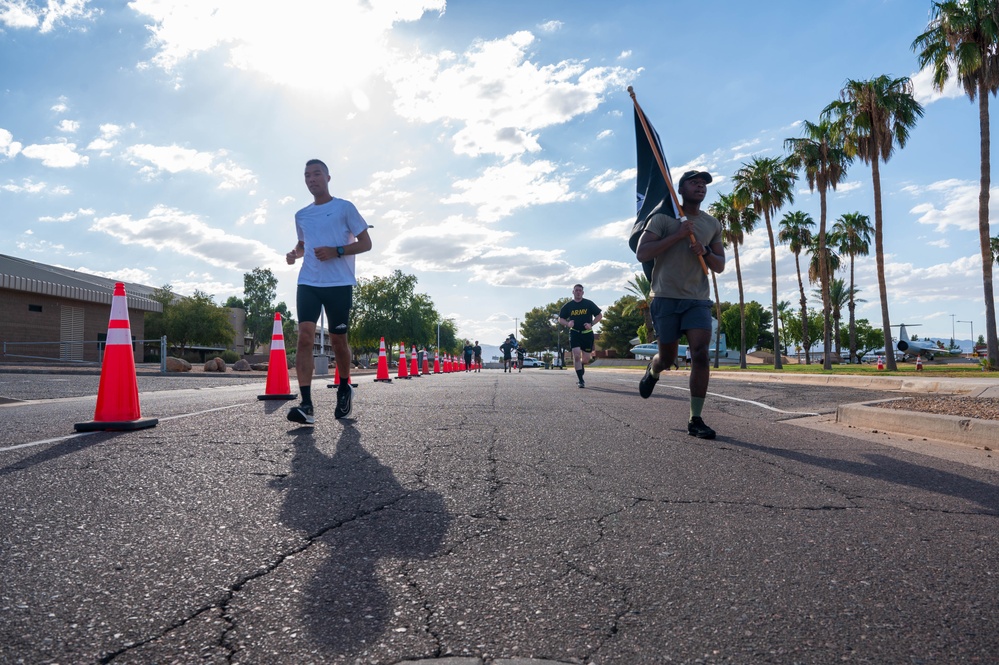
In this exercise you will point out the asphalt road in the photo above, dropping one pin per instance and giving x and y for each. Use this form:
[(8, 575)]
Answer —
[(487, 517)]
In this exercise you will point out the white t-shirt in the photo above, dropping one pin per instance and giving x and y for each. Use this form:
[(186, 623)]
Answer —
[(333, 224)]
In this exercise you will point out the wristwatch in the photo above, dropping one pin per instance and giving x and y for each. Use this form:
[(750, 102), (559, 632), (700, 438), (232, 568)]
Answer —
[(339, 251)]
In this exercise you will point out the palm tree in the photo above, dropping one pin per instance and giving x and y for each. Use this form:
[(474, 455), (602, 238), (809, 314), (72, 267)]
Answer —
[(796, 231), (766, 184), (815, 266), (839, 296), (876, 115), (821, 153), (641, 288), (736, 223), (853, 231), (965, 34)]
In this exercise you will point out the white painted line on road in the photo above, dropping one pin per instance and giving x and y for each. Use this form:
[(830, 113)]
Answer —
[(749, 401), (79, 434)]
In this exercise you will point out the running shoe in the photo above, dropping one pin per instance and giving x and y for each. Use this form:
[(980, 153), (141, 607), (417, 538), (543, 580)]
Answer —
[(301, 414), (344, 401), (647, 383), (696, 427), (581, 384)]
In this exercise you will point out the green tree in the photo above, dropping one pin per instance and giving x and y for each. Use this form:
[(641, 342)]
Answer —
[(539, 328), (868, 339), (198, 321), (875, 116), (156, 322), (737, 220), (821, 153), (732, 323), (389, 307), (766, 184), (259, 291), (619, 324), (853, 235), (796, 231), (641, 288)]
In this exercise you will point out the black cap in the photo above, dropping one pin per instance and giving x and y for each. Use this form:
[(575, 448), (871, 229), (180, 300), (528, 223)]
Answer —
[(703, 175)]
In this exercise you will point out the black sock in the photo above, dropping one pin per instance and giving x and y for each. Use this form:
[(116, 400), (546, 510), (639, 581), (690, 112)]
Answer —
[(306, 395), (579, 373)]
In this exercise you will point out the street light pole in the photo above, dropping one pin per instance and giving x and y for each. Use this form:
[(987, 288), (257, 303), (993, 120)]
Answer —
[(953, 339), (972, 324)]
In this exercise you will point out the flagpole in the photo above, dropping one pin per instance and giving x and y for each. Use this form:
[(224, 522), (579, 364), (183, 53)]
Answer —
[(662, 167)]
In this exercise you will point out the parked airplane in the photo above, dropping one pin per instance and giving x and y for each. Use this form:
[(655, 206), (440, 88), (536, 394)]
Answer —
[(914, 348)]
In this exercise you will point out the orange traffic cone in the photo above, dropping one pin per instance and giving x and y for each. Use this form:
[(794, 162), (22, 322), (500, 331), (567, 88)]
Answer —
[(403, 373), (278, 384), (919, 363), (414, 368), (426, 362), (437, 362), (336, 378), (881, 362), (382, 374), (118, 392)]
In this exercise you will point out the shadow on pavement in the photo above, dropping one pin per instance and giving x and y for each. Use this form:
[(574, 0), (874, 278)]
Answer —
[(67, 447), (352, 506), (891, 470)]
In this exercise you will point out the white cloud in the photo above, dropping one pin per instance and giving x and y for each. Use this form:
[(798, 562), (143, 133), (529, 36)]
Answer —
[(270, 43), (925, 92), (606, 134), (107, 138), (550, 26), (610, 180), (957, 201), (154, 160), (502, 189), (8, 146), (69, 216), (69, 126), (24, 15), (56, 155), (501, 98), (614, 230), (28, 186), (258, 216), (170, 230), (61, 106)]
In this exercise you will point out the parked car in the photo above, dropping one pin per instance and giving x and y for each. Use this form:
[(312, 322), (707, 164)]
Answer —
[(533, 362)]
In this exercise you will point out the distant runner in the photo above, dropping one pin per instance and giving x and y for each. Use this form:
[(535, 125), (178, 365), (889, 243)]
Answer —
[(580, 315)]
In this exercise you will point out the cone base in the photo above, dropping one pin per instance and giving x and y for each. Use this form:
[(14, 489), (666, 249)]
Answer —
[(278, 397), (115, 425), (384, 380)]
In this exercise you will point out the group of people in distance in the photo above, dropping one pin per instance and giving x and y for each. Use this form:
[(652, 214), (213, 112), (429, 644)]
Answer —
[(331, 232), (472, 352)]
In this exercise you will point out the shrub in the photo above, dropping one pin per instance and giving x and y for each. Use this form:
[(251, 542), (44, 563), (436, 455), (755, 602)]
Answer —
[(230, 357)]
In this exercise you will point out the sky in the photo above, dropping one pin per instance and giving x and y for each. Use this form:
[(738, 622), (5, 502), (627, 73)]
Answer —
[(490, 144)]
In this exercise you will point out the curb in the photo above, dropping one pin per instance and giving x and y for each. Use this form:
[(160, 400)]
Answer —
[(953, 429), (946, 386)]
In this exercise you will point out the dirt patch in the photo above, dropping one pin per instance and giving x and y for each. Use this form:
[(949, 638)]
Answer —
[(983, 408)]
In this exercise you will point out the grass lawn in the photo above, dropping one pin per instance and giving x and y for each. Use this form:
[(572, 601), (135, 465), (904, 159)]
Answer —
[(930, 369)]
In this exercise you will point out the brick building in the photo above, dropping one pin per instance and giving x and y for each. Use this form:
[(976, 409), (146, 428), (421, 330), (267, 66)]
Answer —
[(53, 313)]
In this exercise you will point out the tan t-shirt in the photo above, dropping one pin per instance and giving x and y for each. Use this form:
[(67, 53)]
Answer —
[(677, 272)]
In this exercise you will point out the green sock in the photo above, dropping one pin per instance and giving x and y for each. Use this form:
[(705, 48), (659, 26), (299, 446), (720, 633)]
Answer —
[(696, 406)]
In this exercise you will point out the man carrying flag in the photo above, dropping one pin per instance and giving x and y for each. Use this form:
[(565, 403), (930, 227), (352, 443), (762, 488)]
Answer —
[(681, 242)]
